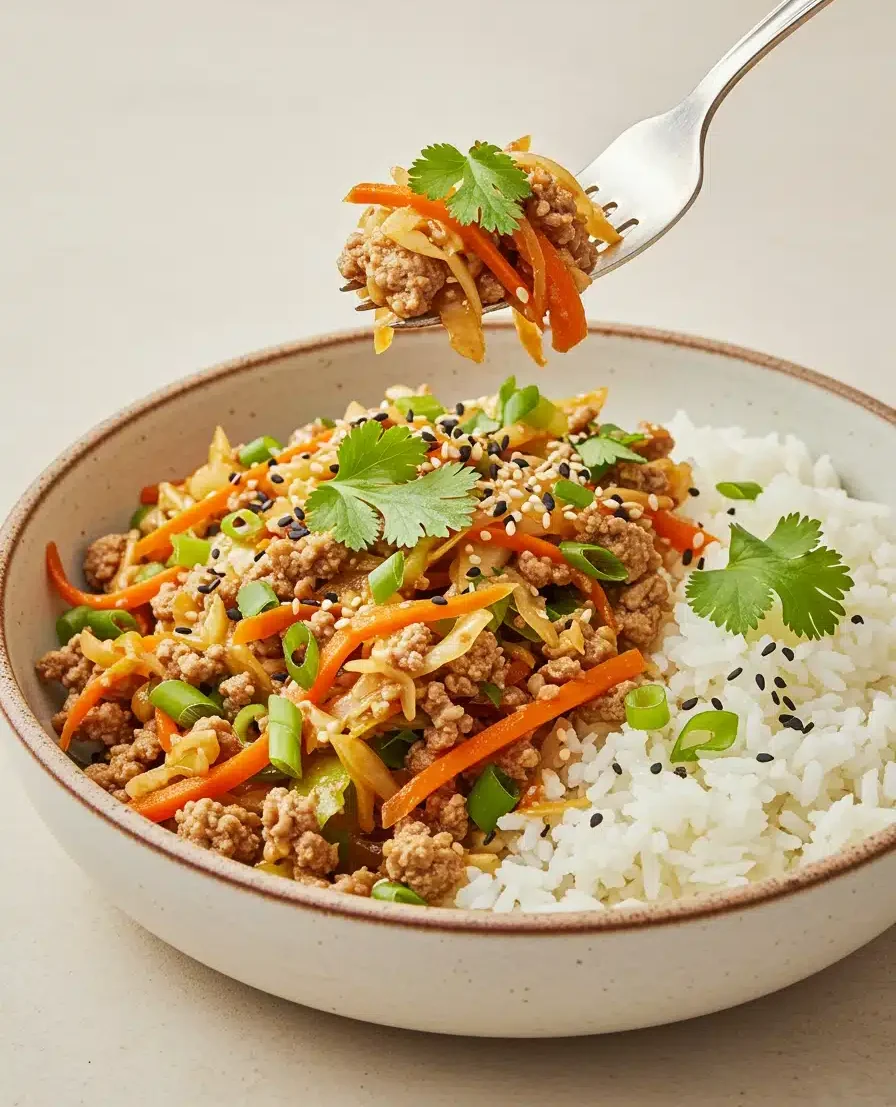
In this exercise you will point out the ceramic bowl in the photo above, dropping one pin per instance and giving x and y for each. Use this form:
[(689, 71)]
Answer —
[(440, 970)]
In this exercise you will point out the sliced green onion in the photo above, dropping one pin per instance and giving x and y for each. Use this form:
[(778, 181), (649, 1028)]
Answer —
[(326, 421), (110, 624), (70, 623), (520, 404), (327, 780), (255, 597), (560, 602), (243, 525), (385, 580), (491, 692), (285, 736), (246, 716), (259, 449), (139, 515), (646, 707), (217, 699), (299, 635), (594, 561), (739, 489), (480, 423), (150, 569), (506, 390), (184, 703), (547, 416), (494, 794), (707, 730), (189, 550), (571, 493), (393, 747), (427, 406), (392, 892)]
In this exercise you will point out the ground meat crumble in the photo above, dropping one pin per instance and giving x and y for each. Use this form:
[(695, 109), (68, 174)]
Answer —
[(429, 864), (291, 830), (231, 831), (103, 560)]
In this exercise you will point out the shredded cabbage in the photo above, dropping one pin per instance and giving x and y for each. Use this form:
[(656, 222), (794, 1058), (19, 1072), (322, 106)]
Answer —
[(455, 644), (596, 222), (403, 680), (532, 614)]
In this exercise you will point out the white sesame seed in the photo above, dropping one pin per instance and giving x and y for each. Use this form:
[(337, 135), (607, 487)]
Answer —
[(611, 504), (296, 607), (526, 508), (570, 516), (510, 527), (546, 520), (340, 623), (252, 485), (652, 502), (485, 536), (475, 559), (316, 468), (522, 295), (191, 616), (517, 516), (469, 548), (564, 755), (356, 602), (635, 512), (326, 605), (405, 603), (699, 539), (435, 462), (586, 615)]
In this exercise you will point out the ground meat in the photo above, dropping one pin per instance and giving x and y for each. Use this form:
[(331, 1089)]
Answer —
[(430, 865), (296, 568), (127, 760), (182, 662), (419, 757), (483, 661), (631, 542), (657, 442), (520, 760), (552, 210), (514, 697), (541, 571), (227, 741), (322, 625), (561, 670), (291, 830), (445, 810), (408, 281), (109, 722), (68, 666), (491, 291), (641, 608), (406, 648), (449, 720), (238, 692), (600, 645), (162, 603), (232, 831), (358, 883), (102, 560), (642, 478), (609, 708)]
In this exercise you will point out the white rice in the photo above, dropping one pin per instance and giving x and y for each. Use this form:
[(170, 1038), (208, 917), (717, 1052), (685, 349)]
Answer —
[(733, 820)]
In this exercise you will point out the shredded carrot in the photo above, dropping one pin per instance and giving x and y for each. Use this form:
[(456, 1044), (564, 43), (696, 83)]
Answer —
[(542, 548), (158, 542), (125, 600), (269, 622), (595, 682), (680, 533), (96, 690), (526, 241), (473, 237), (166, 730), (565, 309)]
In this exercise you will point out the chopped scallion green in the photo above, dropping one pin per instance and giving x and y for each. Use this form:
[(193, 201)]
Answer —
[(243, 525), (182, 702), (285, 736), (70, 623), (255, 597), (259, 449), (705, 731), (494, 794), (246, 717), (327, 780), (520, 404), (139, 515), (480, 423), (299, 635), (385, 580), (108, 625), (150, 569), (739, 489), (392, 892), (187, 550), (646, 707), (427, 406), (594, 561), (571, 493)]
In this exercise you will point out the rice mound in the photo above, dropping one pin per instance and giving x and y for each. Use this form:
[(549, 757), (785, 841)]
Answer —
[(732, 820)]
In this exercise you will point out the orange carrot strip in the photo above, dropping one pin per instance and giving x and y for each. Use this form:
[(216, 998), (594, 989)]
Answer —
[(161, 805), (680, 533), (595, 682), (542, 548), (269, 622), (565, 309), (157, 543), (166, 729), (473, 237), (96, 690), (527, 243), (134, 596)]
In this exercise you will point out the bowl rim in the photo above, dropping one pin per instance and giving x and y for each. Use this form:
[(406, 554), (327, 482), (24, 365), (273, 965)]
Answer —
[(38, 745)]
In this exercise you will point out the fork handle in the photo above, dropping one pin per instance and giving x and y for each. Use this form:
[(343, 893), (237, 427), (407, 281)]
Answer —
[(755, 44)]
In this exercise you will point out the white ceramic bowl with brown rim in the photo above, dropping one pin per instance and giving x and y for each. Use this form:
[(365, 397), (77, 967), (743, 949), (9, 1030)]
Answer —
[(434, 969)]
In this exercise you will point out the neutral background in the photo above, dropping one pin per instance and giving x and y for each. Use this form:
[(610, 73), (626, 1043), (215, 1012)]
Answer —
[(168, 198)]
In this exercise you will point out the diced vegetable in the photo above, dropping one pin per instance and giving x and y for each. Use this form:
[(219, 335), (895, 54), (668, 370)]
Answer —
[(259, 450), (285, 736), (705, 731), (166, 730), (189, 551), (139, 515), (255, 597), (594, 561), (571, 493), (386, 579), (326, 779), (646, 707), (494, 794), (243, 525), (184, 703), (150, 569), (108, 625), (392, 892), (299, 635), (492, 692)]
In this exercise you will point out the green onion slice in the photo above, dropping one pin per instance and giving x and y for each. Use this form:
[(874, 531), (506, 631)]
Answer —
[(646, 707), (259, 449), (560, 602), (494, 794), (255, 597), (243, 525), (385, 580), (285, 736), (299, 635), (547, 416), (327, 780), (139, 515), (150, 569), (594, 561), (571, 493), (246, 716), (707, 730), (480, 423), (185, 704), (739, 489), (392, 892), (189, 550), (393, 747), (110, 624), (427, 406), (71, 622), (491, 692), (520, 404)]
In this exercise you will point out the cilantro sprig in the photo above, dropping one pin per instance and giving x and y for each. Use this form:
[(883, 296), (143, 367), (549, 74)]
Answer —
[(609, 445), (492, 184), (810, 580), (377, 489)]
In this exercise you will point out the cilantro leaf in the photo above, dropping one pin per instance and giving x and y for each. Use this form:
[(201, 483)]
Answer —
[(377, 488), (492, 184), (809, 580), (610, 430), (602, 451)]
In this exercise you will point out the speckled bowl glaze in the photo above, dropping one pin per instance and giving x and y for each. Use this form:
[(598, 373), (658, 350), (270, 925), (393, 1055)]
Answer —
[(440, 970)]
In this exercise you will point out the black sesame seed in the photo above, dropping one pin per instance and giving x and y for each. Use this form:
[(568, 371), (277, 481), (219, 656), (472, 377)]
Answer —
[(780, 682), (410, 415), (788, 703), (585, 473), (690, 704), (271, 462), (717, 703), (731, 511), (311, 603), (681, 771), (596, 819), (701, 562), (808, 727), (776, 699), (266, 506), (521, 462), (760, 682), (428, 437), (857, 619), (440, 601), (543, 833), (258, 556), (656, 768), (234, 478), (464, 453), (183, 630), (334, 468), (785, 719), (764, 758), (788, 653), (381, 416), (620, 513), (616, 497), (204, 589), (459, 409), (795, 723), (213, 530), (549, 502), (333, 597), (770, 648), (473, 572), (505, 441), (448, 424), (563, 469), (617, 768), (279, 676), (285, 521), (693, 491), (493, 470), (277, 478), (458, 432), (359, 422), (499, 508), (734, 674), (492, 449), (489, 837), (687, 557), (305, 457), (298, 531), (216, 553), (234, 614)]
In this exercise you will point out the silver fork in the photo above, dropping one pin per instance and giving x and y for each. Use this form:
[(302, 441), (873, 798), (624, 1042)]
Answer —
[(649, 177)]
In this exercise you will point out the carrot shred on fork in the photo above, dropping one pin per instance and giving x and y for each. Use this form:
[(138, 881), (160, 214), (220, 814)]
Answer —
[(124, 600), (595, 682), (566, 312)]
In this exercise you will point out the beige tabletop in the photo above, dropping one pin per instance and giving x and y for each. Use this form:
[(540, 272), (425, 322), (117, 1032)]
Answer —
[(168, 193)]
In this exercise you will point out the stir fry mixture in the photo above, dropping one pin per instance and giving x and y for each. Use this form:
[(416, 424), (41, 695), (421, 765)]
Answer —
[(339, 660), (458, 232)]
